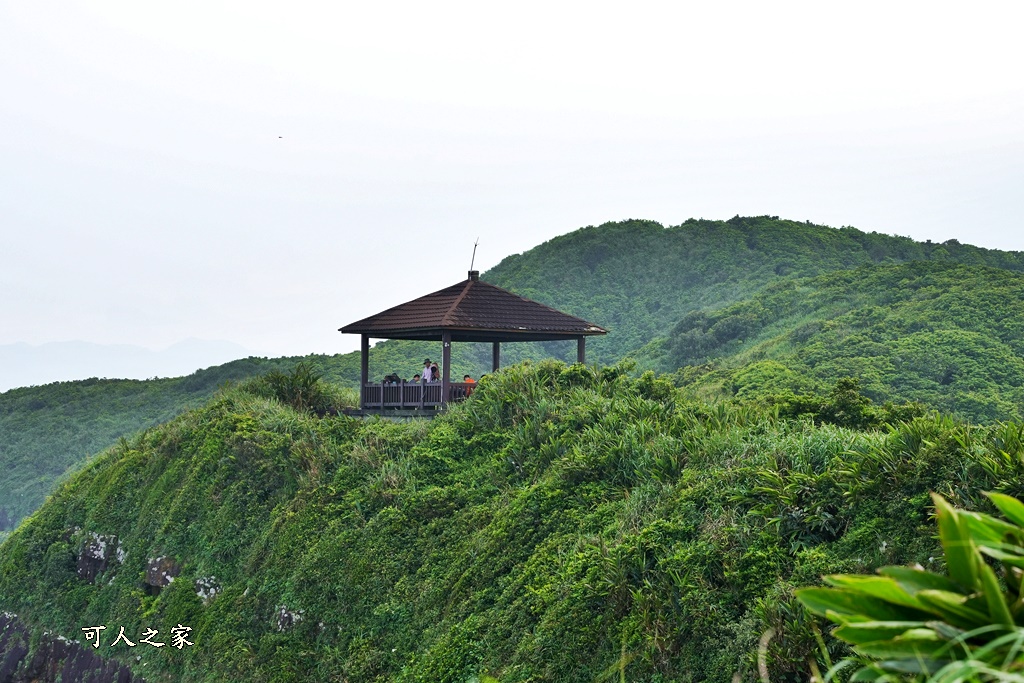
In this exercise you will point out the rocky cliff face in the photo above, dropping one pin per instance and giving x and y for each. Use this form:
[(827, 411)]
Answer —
[(53, 659)]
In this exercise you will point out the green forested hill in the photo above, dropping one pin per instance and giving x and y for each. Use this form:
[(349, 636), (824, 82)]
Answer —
[(563, 524), (638, 279), (949, 336)]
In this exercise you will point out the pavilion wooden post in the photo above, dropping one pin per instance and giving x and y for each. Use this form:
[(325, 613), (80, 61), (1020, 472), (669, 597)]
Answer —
[(581, 349), (446, 360), (495, 356), (364, 369)]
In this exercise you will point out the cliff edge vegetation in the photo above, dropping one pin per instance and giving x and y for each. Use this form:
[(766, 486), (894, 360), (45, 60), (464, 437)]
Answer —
[(564, 523)]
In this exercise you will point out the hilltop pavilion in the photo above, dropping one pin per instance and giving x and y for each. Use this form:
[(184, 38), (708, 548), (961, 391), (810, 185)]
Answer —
[(469, 311)]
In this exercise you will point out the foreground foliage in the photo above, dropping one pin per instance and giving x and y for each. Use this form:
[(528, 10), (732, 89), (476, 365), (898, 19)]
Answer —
[(563, 524), (910, 623)]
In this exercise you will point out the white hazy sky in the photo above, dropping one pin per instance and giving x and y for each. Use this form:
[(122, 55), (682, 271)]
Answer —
[(251, 172)]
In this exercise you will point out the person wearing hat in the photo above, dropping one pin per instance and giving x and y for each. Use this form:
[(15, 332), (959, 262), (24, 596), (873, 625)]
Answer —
[(427, 375)]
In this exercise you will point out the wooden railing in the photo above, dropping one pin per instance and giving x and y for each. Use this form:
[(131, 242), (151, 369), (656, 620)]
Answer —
[(410, 395)]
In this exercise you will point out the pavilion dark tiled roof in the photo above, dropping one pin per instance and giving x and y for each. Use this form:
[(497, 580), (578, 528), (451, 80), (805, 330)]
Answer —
[(473, 310)]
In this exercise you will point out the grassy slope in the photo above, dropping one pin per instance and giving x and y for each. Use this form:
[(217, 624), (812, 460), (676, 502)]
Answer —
[(947, 335), (557, 520)]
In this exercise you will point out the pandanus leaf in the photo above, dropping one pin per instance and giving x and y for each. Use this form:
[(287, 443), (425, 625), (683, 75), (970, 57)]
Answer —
[(945, 630), (916, 644), (838, 618), (866, 675), (911, 648), (952, 608), (985, 529), (881, 587), (1011, 508), (942, 619), (955, 542), (1012, 559), (910, 666), (871, 631), (842, 602), (914, 580), (998, 610)]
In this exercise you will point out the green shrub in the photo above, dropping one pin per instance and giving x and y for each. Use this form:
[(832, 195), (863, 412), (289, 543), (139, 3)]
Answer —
[(303, 389)]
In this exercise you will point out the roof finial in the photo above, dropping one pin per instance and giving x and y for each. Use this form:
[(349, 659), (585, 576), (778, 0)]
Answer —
[(474, 275)]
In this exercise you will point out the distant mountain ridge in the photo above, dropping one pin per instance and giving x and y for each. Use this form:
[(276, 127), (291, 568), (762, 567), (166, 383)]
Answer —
[(23, 365)]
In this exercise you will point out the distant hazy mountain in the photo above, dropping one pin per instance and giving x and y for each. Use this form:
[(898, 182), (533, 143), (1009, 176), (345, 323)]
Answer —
[(23, 365)]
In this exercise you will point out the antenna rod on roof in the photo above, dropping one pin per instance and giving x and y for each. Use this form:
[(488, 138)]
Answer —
[(473, 260)]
